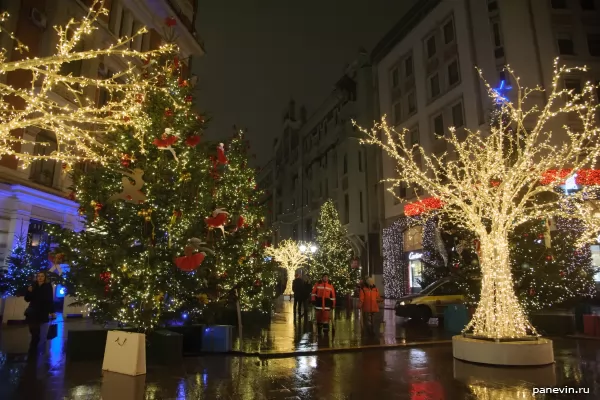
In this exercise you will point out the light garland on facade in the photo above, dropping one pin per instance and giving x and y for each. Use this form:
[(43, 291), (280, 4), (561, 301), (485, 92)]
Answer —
[(79, 125), (290, 257), (516, 158)]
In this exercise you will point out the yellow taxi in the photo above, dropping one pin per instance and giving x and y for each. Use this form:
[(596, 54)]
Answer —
[(431, 301)]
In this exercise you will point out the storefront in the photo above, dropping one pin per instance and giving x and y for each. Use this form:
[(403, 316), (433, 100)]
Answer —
[(413, 251)]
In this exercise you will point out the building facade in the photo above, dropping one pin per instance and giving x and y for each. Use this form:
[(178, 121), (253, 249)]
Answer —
[(319, 157), (33, 197), (427, 81)]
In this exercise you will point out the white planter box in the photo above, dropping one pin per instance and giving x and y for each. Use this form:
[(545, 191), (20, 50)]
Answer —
[(74, 311), (125, 353), (14, 309)]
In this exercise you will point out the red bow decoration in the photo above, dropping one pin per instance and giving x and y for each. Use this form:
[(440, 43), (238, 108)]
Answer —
[(190, 261), (193, 140), (217, 220), (165, 142)]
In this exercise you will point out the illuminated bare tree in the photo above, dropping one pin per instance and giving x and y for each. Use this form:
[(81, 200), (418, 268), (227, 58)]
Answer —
[(290, 257), (490, 182), (78, 126)]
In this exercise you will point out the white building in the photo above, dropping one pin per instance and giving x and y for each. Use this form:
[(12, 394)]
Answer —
[(33, 197), (319, 157), (427, 80)]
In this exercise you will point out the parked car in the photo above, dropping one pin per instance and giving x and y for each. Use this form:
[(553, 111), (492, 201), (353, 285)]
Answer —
[(431, 301)]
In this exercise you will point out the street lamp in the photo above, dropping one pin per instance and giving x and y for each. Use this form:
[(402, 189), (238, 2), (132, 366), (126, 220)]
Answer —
[(302, 248), (313, 248)]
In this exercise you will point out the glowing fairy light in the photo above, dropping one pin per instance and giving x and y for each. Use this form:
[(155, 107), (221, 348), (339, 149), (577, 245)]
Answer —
[(490, 184), (80, 125)]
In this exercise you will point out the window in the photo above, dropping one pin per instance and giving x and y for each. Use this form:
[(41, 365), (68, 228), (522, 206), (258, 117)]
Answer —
[(431, 47), (565, 44), (360, 161), (395, 78), (446, 289), (587, 5), (136, 44), (408, 66), (345, 163), (412, 102), (43, 171), (558, 4), (573, 84), (308, 225), (116, 11), (449, 32), (438, 125), (414, 136), (346, 208), (360, 204), (593, 41), (457, 115), (73, 68), (401, 190), (434, 86), (496, 33), (126, 24), (453, 73), (397, 113)]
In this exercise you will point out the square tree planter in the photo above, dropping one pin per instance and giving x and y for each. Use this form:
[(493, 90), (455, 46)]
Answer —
[(192, 338), (86, 344), (70, 311), (166, 347), (217, 339), (14, 310)]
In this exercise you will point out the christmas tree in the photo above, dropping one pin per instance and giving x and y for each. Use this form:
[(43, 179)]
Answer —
[(334, 251), (549, 269), (158, 243), (20, 272)]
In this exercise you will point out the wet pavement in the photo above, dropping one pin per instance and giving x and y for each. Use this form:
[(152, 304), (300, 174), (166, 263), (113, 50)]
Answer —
[(418, 373), (428, 373)]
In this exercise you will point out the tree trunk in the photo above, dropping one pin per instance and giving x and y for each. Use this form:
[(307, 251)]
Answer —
[(499, 314)]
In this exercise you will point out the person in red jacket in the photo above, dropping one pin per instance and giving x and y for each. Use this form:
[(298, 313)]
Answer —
[(369, 302), (323, 298)]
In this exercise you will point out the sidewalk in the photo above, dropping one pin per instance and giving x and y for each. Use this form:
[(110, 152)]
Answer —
[(281, 338)]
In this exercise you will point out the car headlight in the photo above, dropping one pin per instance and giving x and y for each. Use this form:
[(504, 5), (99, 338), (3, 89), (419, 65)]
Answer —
[(402, 303)]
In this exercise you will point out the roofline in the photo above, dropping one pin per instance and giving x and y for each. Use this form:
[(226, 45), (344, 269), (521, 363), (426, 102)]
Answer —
[(407, 23)]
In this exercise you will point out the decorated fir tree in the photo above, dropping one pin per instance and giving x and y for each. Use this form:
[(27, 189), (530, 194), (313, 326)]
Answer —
[(20, 271), (172, 230), (334, 251), (549, 269)]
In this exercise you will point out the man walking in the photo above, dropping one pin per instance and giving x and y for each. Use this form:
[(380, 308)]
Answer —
[(298, 289)]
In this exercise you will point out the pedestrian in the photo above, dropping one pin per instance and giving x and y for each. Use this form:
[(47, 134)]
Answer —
[(307, 288), (369, 302), (40, 310), (298, 289), (323, 297)]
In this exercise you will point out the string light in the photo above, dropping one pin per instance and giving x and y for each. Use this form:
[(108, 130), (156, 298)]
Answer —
[(80, 125), (290, 256), (515, 158), (122, 264)]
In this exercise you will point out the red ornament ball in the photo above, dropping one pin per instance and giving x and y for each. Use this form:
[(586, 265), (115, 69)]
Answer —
[(549, 258), (525, 234), (541, 236), (188, 98), (168, 112), (257, 282), (170, 21)]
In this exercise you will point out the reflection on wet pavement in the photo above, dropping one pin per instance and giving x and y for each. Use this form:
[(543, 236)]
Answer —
[(416, 373), (409, 373)]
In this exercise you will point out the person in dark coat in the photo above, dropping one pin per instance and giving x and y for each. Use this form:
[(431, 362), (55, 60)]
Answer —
[(298, 289), (40, 309)]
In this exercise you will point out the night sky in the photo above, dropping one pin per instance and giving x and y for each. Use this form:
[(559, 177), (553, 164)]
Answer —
[(259, 54)]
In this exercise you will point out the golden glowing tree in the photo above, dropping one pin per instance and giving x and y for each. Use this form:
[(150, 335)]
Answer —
[(492, 181), (80, 124), (289, 255)]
